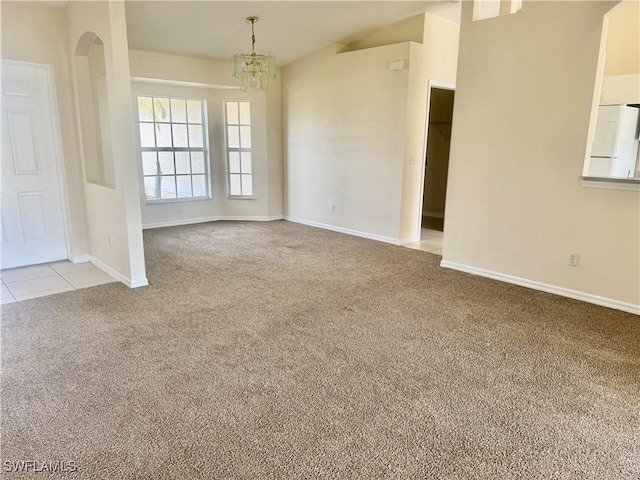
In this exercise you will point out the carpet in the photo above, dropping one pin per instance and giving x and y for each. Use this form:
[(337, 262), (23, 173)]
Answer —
[(276, 350)]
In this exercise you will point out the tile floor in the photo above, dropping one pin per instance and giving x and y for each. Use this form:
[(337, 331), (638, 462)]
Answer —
[(430, 241), (41, 280)]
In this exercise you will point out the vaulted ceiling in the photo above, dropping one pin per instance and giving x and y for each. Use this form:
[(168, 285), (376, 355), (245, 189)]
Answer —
[(215, 29)]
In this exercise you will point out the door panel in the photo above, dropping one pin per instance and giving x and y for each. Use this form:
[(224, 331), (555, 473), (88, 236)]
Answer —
[(32, 220)]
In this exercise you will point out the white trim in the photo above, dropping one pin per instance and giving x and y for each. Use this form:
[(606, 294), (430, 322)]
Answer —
[(348, 231), (143, 282), (189, 221), (80, 258), (430, 84), (179, 83), (610, 184), (405, 241), (545, 287)]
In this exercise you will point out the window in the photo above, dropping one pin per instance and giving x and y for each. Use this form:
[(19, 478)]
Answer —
[(173, 140), (239, 149)]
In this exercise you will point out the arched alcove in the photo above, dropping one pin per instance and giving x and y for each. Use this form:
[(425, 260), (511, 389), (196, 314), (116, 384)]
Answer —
[(93, 106)]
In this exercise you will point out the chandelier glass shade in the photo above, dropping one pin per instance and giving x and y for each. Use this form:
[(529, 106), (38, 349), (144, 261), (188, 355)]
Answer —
[(252, 68)]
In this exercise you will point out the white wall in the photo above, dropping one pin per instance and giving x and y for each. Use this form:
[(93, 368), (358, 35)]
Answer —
[(433, 60), (515, 208), (355, 130), (113, 214), (344, 121), (212, 81), (38, 33)]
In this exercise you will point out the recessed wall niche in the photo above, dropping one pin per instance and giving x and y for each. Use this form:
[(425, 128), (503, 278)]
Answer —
[(93, 106)]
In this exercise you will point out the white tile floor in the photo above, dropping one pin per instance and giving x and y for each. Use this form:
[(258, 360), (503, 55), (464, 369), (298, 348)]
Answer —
[(430, 241), (41, 280)]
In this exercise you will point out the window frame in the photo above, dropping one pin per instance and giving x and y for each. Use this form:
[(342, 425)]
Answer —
[(238, 149), (205, 149)]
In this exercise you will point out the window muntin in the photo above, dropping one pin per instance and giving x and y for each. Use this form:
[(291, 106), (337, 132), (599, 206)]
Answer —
[(239, 162), (174, 144)]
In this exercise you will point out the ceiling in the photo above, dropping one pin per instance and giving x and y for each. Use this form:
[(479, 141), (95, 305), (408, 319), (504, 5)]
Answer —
[(215, 29)]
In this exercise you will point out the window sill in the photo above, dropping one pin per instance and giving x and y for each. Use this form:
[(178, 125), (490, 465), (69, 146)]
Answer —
[(611, 183), (241, 197), (175, 200)]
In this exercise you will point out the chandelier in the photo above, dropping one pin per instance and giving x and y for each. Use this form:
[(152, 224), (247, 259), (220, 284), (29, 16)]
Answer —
[(253, 68)]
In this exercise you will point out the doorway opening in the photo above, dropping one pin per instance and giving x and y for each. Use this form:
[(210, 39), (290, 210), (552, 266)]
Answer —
[(436, 163)]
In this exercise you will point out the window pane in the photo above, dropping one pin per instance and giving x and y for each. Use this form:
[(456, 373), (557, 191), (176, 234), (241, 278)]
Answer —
[(234, 162), (147, 136), (151, 187), (182, 162), (179, 135), (184, 185), (246, 162), (166, 163), (245, 137), (163, 134), (199, 186), (233, 137), (168, 187), (149, 166), (161, 109), (194, 107), (178, 111), (247, 188), (232, 113), (195, 136), (245, 113), (234, 185), (145, 109), (197, 162)]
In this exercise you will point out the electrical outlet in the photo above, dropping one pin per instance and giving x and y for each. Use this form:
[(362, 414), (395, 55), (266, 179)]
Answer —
[(333, 208), (573, 260)]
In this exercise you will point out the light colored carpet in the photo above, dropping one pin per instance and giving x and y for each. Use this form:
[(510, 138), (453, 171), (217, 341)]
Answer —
[(275, 350)]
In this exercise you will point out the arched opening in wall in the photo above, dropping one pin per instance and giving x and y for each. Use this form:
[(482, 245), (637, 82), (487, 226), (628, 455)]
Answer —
[(93, 106), (612, 150)]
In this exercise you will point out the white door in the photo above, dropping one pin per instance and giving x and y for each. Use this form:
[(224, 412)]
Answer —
[(33, 229)]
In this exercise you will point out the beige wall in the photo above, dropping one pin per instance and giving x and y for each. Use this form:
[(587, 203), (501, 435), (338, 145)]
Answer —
[(217, 86), (623, 40), (113, 214), (433, 60), (37, 33), (344, 121), (355, 131), (515, 206)]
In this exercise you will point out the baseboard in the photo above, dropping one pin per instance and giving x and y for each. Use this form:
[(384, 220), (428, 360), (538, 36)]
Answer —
[(117, 275), (189, 221), (79, 258), (545, 287), (348, 231), (404, 241)]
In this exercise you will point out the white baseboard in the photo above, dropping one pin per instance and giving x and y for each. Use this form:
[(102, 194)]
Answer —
[(545, 287), (348, 231), (79, 258), (189, 221), (143, 282), (404, 241)]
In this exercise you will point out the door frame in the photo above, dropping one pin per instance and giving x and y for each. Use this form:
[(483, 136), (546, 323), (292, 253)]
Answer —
[(430, 85), (57, 141)]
